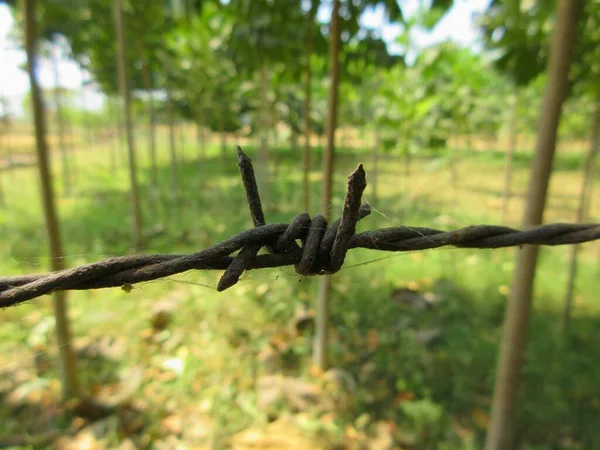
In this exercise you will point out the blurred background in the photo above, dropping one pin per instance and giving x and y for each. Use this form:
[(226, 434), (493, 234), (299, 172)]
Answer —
[(119, 124)]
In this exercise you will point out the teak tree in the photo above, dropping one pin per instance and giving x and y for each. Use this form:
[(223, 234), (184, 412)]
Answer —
[(136, 210), (582, 211), (516, 323), (352, 12), (68, 369), (307, 104), (587, 76), (320, 343)]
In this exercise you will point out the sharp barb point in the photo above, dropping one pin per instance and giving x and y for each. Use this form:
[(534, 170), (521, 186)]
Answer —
[(241, 155)]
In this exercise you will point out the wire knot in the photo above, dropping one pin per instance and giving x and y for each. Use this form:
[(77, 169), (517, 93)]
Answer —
[(323, 248)]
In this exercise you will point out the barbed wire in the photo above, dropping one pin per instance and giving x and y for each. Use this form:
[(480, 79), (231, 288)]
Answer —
[(323, 248)]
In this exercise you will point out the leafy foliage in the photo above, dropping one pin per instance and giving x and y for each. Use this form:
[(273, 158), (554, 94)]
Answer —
[(518, 33)]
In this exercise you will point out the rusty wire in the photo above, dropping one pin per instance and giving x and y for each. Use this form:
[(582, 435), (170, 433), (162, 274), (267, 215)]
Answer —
[(323, 248)]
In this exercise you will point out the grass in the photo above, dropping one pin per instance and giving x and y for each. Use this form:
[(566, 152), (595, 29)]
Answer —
[(199, 376)]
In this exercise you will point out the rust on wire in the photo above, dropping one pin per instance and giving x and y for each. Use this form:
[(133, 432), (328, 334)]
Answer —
[(322, 251)]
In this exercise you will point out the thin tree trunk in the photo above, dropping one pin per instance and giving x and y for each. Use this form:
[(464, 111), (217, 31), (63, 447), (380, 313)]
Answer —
[(598, 258), (516, 323), (263, 150), (174, 177), (512, 145), (7, 144), (70, 143), (5, 140), (116, 142), (85, 120), (584, 200), (200, 138), (407, 162), (136, 210), (182, 142), (67, 363), (120, 128), (2, 200), (374, 175), (275, 137), (293, 141), (223, 139), (320, 344), (275, 150), (203, 139), (60, 125), (453, 167), (307, 104), (3, 166), (152, 124)]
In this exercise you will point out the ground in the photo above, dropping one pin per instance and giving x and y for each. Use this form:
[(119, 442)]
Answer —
[(414, 336)]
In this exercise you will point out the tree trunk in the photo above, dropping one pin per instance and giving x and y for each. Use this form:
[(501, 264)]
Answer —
[(152, 124), (181, 143), (60, 125), (87, 139), (136, 210), (263, 150), (320, 344), (67, 364), (6, 140), (293, 141), (584, 200), (275, 136), (307, 105), (223, 139), (70, 143), (116, 142), (275, 149), (453, 167), (2, 200), (374, 175), (512, 145), (5, 162), (120, 131), (174, 177), (516, 323), (200, 139)]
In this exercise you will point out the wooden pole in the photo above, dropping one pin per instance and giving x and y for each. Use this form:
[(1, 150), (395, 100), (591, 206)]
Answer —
[(516, 323), (320, 344), (67, 364), (136, 210)]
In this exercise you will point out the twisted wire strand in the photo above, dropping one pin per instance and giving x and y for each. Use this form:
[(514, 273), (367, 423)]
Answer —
[(323, 248)]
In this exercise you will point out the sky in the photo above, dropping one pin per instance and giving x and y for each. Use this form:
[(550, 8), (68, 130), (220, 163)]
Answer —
[(457, 25)]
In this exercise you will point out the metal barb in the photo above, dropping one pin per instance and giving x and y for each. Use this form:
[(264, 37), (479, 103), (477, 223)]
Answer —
[(357, 182), (252, 195)]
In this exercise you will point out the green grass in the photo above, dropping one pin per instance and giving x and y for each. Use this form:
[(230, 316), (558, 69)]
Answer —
[(435, 397)]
